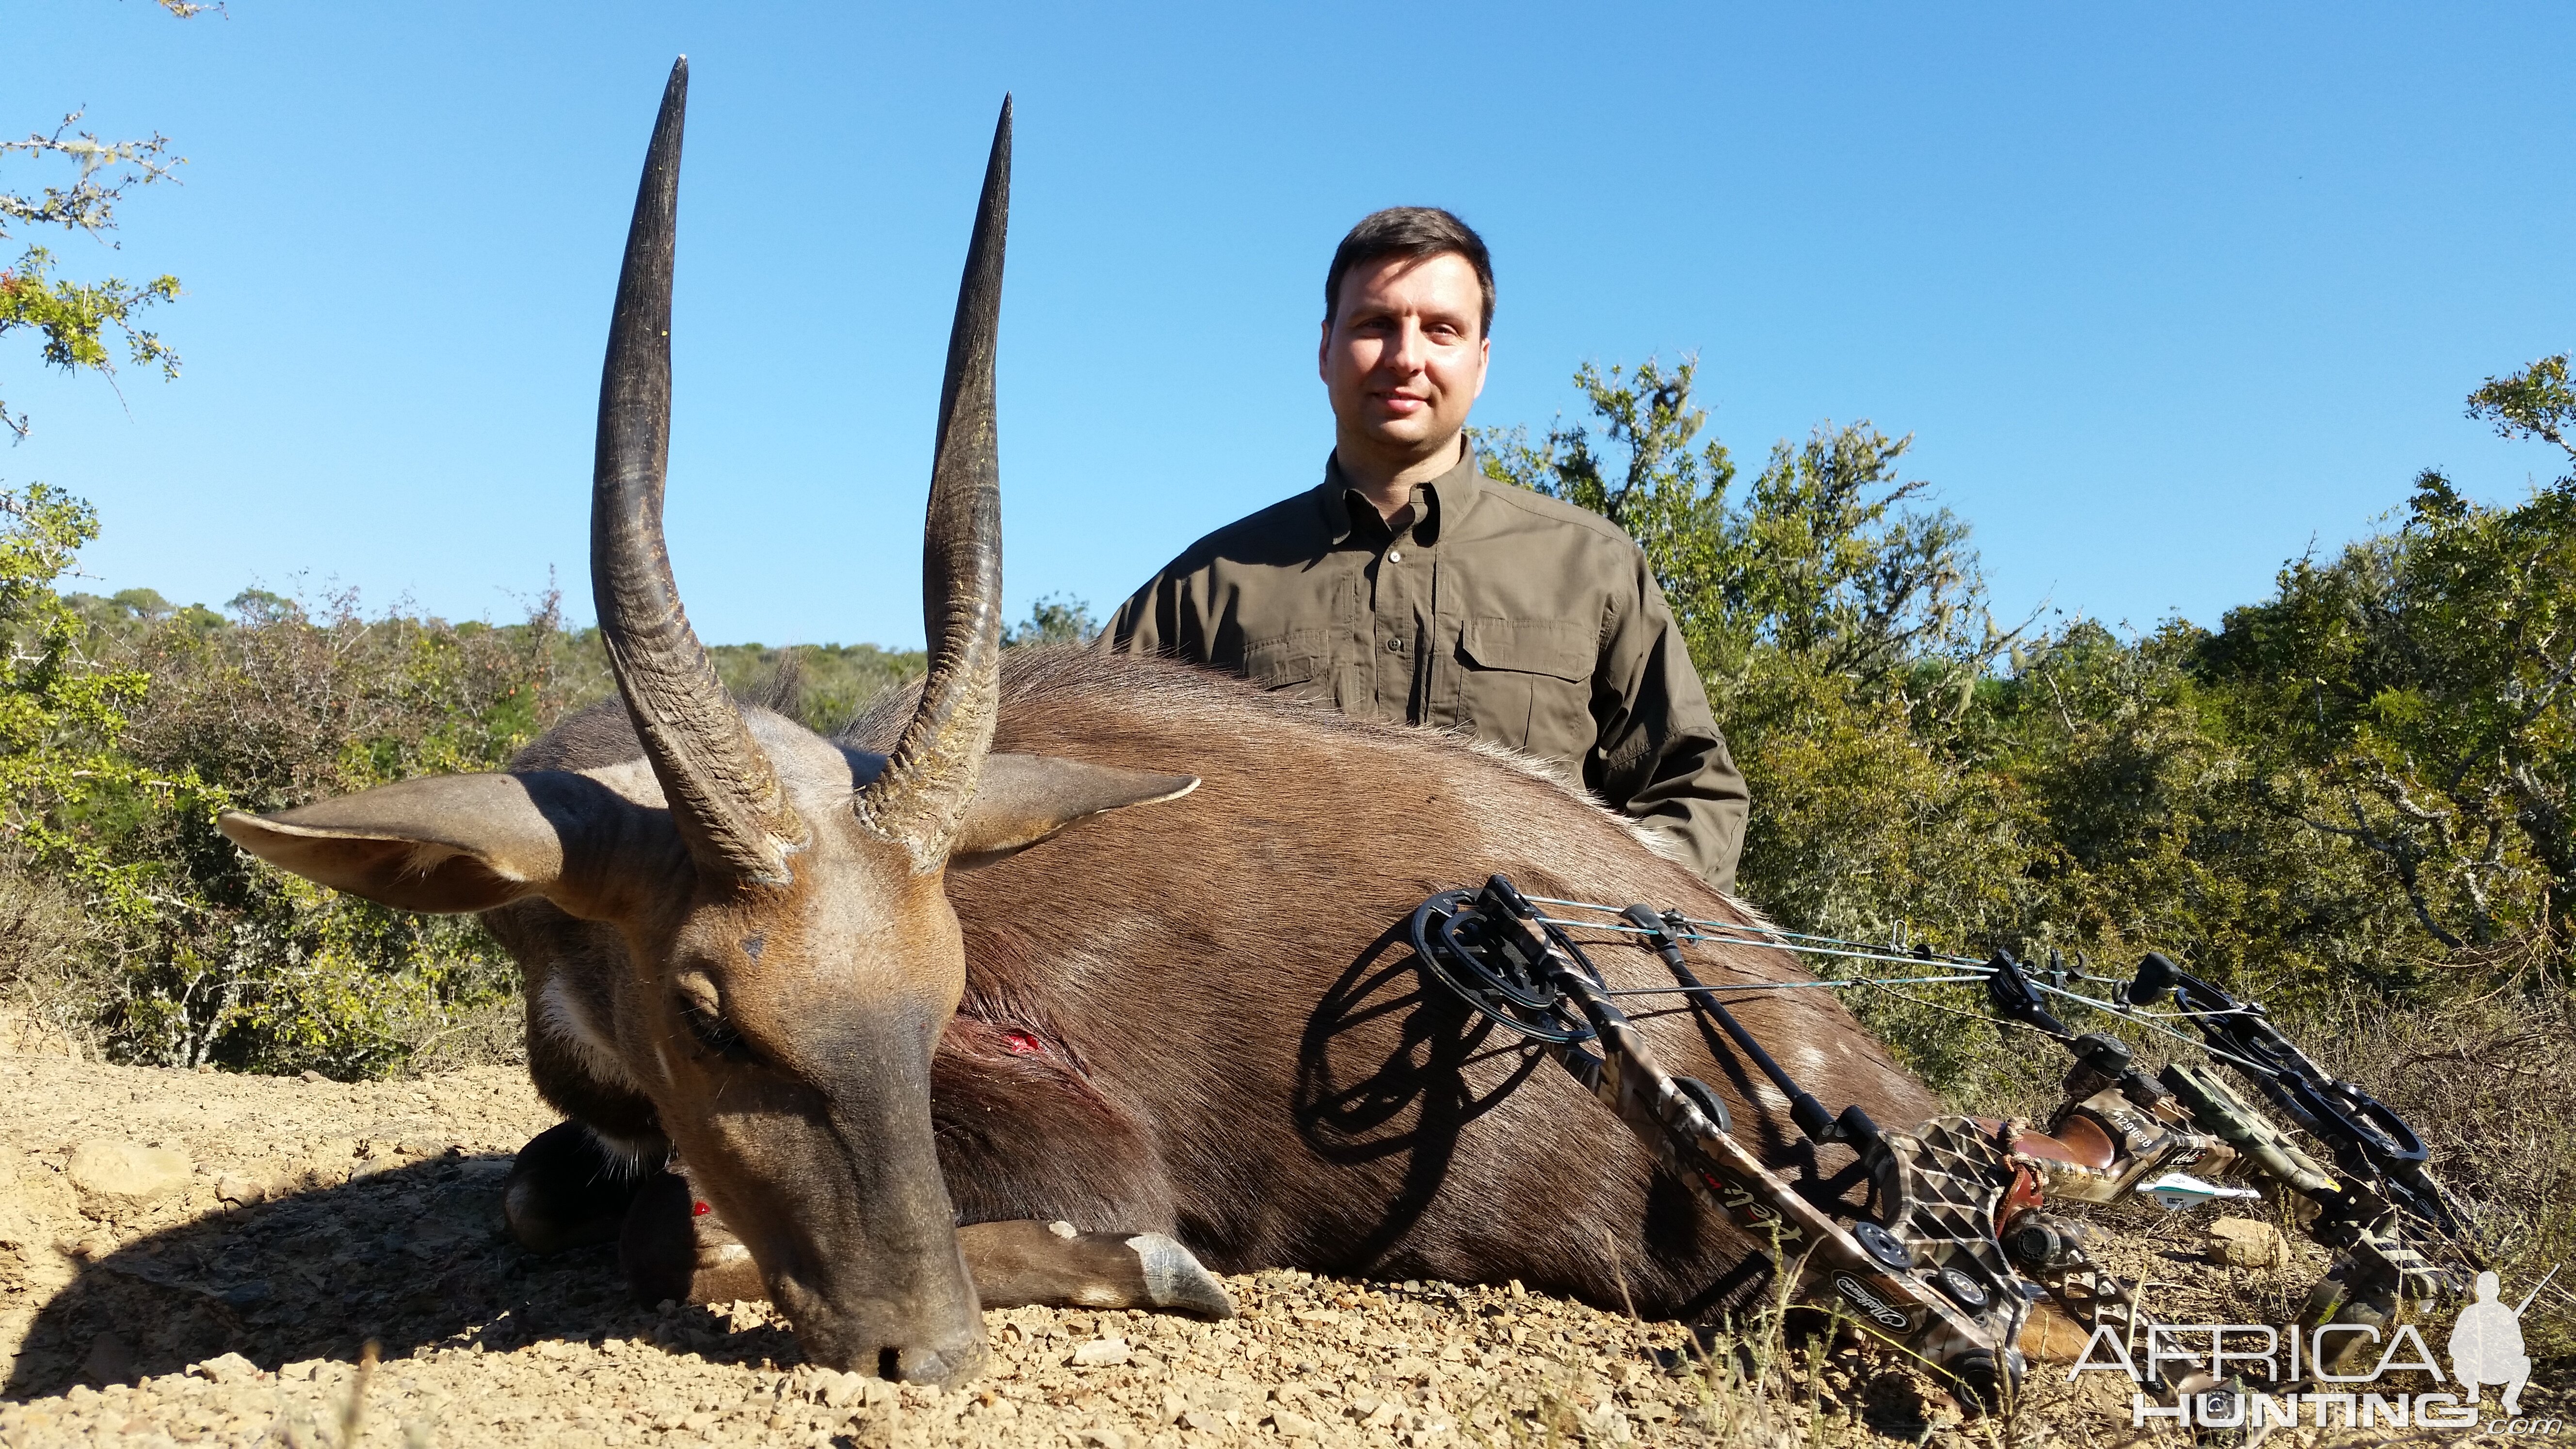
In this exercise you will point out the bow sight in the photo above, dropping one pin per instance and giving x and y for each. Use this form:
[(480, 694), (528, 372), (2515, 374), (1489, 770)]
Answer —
[(1958, 1239)]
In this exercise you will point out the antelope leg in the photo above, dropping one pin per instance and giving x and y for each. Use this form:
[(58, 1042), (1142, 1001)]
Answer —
[(566, 1190), (672, 1248), (1027, 1262)]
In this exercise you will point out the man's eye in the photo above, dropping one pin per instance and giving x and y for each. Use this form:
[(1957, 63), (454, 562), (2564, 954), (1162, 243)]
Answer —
[(715, 1034)]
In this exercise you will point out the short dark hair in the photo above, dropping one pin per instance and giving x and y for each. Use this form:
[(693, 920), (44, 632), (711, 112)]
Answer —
[(1416, 232)]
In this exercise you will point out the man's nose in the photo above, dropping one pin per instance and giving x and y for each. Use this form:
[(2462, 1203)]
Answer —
[(1406, 350)]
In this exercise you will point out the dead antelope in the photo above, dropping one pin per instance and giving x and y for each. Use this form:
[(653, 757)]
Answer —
[(856, 991)]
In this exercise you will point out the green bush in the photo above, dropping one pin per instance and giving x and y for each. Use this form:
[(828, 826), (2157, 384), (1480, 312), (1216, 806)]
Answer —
[(127, 725), (254, 969), (2357, 784)]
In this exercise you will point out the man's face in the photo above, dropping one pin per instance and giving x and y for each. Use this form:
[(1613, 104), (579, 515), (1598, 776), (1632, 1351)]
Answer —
[(1404, 355)]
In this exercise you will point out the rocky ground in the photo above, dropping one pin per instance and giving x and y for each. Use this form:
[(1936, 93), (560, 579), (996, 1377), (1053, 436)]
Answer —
[(202, 1258)]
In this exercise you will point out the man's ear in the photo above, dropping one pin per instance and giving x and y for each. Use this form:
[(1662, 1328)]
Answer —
[(1023, 799), (449, 843)]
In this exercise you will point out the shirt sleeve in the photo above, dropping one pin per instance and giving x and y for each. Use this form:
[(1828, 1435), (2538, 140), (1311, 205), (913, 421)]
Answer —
[(1143, 624), (1661, 759)]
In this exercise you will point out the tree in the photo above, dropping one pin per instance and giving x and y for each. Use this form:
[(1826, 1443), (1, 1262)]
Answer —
[(81, 324), (1055, 619), (2308, 802), (2426, 679), (1840, 629), (1825, 560), (63, 715)]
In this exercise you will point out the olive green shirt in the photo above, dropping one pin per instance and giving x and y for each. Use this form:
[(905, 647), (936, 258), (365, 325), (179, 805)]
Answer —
[(1531, 623)]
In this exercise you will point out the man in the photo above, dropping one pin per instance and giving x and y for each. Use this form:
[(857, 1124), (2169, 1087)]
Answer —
[(1408, 587)]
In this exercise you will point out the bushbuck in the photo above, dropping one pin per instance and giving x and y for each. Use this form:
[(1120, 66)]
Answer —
[(862, 993)]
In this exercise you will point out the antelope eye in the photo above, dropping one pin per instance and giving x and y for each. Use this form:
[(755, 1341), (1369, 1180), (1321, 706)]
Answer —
[(715, 1034)]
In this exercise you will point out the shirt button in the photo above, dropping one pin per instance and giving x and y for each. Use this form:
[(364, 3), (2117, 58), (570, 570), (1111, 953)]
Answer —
[(1394, 646), (1395, 555)]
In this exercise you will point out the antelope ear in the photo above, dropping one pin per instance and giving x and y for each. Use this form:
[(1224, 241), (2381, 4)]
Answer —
[(1021, 800), (449, 843)]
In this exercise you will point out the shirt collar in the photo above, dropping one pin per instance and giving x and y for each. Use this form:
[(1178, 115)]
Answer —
[(1440, 504)]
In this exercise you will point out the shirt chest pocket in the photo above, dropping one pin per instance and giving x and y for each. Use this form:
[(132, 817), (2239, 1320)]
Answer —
[(1300, 662), (1527, 683)]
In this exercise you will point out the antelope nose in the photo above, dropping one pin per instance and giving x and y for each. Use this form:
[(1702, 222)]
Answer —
[(946, 1364)]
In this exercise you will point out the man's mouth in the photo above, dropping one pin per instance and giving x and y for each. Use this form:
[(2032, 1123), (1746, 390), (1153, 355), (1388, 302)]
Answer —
[(1396, 402)]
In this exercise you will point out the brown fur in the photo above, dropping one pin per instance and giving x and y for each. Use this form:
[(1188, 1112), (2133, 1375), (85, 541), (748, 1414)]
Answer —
[(1231, 1044)]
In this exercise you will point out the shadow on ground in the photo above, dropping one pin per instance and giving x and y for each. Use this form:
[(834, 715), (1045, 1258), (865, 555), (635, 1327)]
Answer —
[(411, 1257)]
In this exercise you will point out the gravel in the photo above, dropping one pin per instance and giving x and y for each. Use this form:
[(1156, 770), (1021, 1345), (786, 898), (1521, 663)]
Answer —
[(236, 1303)]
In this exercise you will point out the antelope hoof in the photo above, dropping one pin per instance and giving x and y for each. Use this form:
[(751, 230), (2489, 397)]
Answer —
[(565, 1190), (1015, 1264), (673, 1249)]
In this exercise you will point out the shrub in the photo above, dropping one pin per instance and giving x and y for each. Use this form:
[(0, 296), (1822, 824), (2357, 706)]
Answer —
[(2359, 784), (255, 969), (127, 726)]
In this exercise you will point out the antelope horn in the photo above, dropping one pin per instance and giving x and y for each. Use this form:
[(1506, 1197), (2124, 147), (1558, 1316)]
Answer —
[(929, 779), (724, 797)]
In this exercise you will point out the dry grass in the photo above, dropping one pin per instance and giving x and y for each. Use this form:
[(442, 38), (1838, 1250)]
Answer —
[(52, 974), (2491, 1085)]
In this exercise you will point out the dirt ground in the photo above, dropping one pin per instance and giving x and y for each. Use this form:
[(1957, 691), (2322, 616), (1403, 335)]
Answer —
[(204, 1258)]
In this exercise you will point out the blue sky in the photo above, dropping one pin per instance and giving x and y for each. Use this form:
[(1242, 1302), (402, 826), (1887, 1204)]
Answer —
[(2164, 293)]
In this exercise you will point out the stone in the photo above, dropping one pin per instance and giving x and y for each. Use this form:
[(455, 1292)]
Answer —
[(248, 1295), (1293, 1425), (2247, 1243), (115, 1177), (1100, 1353), (839, 1391), (329, 1164), (1103, 1439), (110, 1360), (240, 1190), (1606, 1424), (225, 1369)]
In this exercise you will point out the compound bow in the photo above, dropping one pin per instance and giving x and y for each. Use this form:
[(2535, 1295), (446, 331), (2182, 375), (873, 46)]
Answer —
[(1959, 1239)]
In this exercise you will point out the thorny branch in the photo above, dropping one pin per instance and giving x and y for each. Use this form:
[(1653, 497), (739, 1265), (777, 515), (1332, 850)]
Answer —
[(89, 203)]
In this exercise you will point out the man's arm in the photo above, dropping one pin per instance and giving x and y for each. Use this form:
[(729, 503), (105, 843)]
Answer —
[(1661, 759), (1144, 624)]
